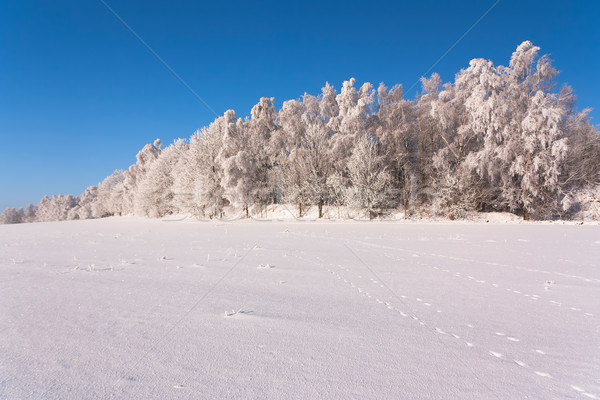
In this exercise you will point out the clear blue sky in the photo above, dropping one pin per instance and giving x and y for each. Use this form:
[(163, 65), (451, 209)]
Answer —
[(80, 95)]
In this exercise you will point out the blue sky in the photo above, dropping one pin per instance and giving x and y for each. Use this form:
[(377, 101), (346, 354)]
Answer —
[(80, 95)]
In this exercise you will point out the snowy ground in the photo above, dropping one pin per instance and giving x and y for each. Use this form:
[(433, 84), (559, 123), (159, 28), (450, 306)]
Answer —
[(132, 308)]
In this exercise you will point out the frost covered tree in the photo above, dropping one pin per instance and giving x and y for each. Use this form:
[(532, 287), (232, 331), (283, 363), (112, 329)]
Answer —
[(462, 111), (307, 163), (524, 129), (293, 170), (395, 122), (132, 201), (84, 209), (29, 213), (352, 120), (237, 168), (259, 143), (581, 180), (247, 159), (369, 178), (109, 200), (238, 180), (496, 139), (204, 171), (12, 216), (155, 196), (425, 131), (55, 208)]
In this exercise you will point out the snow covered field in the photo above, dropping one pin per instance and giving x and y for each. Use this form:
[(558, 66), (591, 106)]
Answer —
[(135, 308)]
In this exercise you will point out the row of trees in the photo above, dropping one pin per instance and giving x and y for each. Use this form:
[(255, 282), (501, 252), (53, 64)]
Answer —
[(497, 139)]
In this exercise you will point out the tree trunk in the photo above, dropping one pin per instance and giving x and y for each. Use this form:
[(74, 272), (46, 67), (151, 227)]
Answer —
[(320, 208), (526, 215)]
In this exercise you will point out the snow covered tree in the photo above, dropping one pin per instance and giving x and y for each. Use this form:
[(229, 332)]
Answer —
[(468, 112), (247, 159), (523, 126), (262, 150), (395, 131), (155, 197), (204, 171), (12, 216), (308, 162), (496, 139), (55, 208), (85, 205), (370, 181), (238, 180), (135, 174), (292, 168), (352, 120), (29, 213), (426, 132), (109, 200)]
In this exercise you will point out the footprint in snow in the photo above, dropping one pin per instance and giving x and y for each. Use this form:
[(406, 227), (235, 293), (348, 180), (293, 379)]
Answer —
[(496, 354), (583, 392), (521, 364), (265, 266), (240, 311)]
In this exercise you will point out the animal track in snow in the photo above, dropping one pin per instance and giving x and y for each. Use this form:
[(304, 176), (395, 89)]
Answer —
[(496, 354), (418, 254), (521, 364), (452, 336), (533, 297), (583, 392)]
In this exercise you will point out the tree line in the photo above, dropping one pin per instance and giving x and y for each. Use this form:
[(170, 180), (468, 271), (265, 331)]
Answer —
[(496, 139)]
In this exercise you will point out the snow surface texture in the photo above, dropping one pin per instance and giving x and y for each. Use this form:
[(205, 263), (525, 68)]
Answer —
[(134, 308)]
